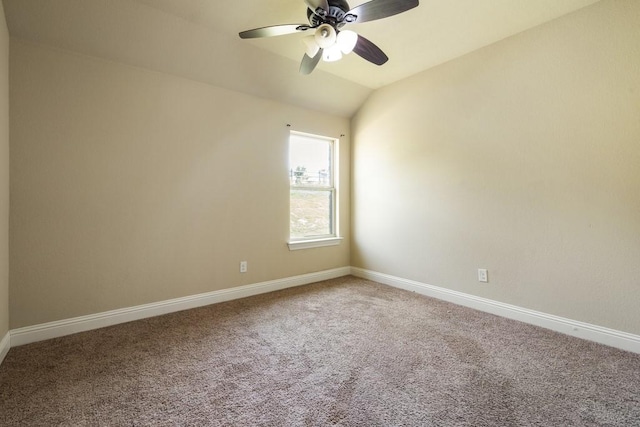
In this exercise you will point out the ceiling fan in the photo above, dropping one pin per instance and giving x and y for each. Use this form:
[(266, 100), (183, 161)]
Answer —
[(330, 42)]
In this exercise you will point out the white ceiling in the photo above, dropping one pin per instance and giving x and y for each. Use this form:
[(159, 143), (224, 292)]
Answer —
[(434, 32), (198, 39)]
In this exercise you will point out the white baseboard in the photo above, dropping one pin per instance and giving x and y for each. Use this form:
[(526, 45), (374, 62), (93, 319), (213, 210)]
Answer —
[(5, 346), (599, 334), (61, 328), (30, 334)]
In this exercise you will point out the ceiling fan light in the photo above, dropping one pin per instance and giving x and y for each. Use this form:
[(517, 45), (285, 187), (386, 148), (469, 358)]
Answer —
[(332, 54), (347, 41), (311, 46), (325, 36)]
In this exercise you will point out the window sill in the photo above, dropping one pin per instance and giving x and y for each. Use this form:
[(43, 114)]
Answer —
[(318, 243)]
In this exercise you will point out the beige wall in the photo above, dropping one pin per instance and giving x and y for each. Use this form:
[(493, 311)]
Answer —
[(522, 158), (131, 186), (4, 175)]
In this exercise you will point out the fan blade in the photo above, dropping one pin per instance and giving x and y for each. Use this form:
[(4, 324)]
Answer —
[(275, 30), (309, 64), (370, 51), (378, 9), (315, 4)]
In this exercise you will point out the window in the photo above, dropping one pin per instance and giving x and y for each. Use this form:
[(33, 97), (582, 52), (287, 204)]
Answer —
[(313, 192)]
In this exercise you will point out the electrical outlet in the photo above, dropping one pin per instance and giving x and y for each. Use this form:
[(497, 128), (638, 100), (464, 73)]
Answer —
[(483, 275), (243, 266)]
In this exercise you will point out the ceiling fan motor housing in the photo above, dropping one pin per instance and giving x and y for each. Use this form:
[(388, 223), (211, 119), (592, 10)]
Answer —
[(337, 11)]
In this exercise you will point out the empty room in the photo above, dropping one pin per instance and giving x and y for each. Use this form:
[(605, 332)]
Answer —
[(320, 212)]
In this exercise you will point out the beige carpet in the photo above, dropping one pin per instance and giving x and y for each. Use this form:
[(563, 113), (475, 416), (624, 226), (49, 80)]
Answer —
[(344, 352)]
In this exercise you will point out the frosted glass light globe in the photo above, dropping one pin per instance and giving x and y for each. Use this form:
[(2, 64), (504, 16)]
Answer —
[(332, 54), (311, 46), (325, 36), (347, 41)]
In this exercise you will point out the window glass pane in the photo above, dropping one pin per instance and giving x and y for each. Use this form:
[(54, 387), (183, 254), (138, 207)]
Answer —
[(310, 162), (311, 213)]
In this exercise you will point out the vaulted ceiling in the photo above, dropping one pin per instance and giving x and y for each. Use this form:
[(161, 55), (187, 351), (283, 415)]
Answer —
[(198, 39)]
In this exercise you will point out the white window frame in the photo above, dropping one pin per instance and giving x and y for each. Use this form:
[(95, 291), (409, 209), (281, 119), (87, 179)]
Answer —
[(333, 238)]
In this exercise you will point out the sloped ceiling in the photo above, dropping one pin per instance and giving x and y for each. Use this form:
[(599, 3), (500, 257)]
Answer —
[(198, 39)]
